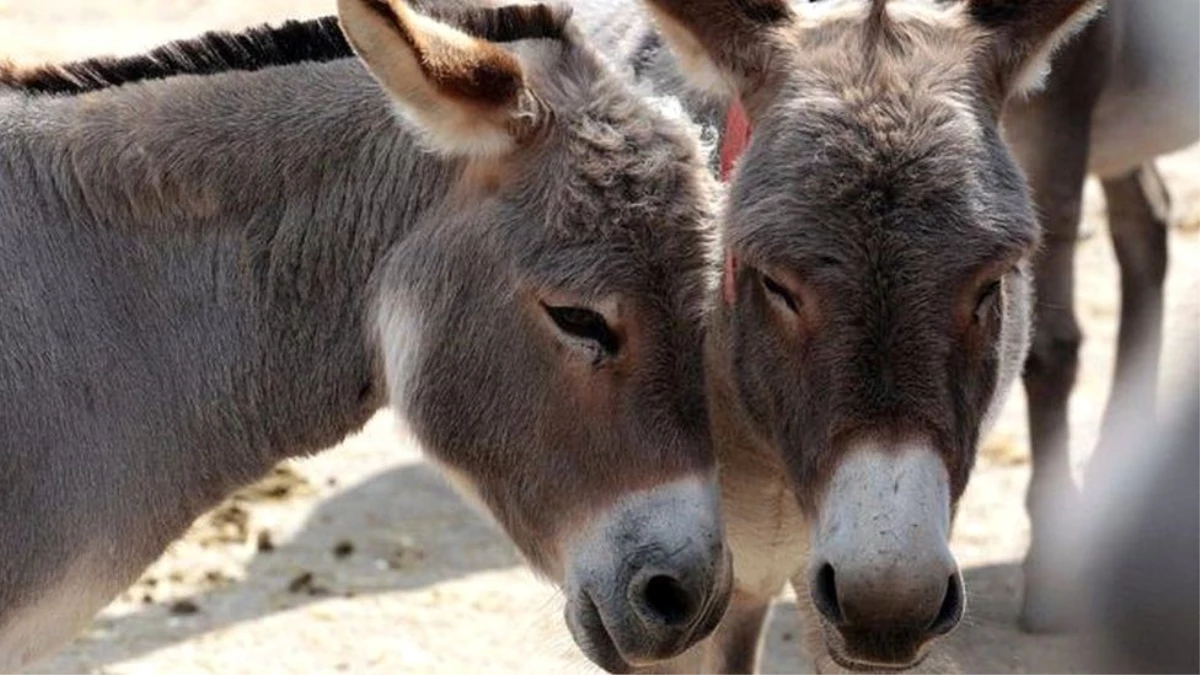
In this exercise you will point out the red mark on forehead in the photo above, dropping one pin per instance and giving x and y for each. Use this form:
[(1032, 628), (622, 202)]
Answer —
[(733, 143), (735, 138), (728, 278)]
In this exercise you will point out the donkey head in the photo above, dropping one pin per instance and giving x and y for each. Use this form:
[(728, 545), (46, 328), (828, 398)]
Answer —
[(542, 332), (877, 291)]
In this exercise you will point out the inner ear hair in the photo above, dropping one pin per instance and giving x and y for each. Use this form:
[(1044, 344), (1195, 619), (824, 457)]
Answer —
[(1025, 36), (721, 42), (465, 95)]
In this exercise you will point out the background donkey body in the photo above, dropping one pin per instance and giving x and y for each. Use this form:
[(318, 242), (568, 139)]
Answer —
[(206, 273), (1122, 93)]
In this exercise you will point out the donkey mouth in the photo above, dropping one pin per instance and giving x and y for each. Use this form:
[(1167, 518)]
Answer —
[(587, 627), (865, 667), (875, 660), (716, 603)]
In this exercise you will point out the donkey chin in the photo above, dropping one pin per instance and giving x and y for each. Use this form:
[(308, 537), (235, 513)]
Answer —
[(649, 578), (882, 580), (881, 653)]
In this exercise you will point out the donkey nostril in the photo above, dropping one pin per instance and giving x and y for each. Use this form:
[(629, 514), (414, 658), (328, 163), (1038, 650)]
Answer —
[(825, 596), (952, 608), (667, 601)]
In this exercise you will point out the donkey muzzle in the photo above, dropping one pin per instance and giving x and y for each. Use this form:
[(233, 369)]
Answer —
[(650, 578), (882, 576)]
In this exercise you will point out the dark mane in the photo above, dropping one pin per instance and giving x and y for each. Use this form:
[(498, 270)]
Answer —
[(254, 49), (315, 40)]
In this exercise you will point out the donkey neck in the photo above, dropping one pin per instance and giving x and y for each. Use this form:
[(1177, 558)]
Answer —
[(254, 152), (261, 203)]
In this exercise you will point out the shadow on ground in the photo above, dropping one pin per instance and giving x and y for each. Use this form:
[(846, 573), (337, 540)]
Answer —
[(387, 513), (401, 530)]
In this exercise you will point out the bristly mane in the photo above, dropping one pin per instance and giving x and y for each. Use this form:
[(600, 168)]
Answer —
[(877, 20), (878, 32), (315, 40), (254, 49)]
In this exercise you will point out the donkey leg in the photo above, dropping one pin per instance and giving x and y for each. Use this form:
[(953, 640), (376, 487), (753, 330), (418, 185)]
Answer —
[(1055, 160), (1138, 212), (1049, 377), (1050, 135)]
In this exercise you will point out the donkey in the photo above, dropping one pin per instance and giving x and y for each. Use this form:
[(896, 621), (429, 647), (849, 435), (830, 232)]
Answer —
[(235, 249), (876, 299), (1122, 93)]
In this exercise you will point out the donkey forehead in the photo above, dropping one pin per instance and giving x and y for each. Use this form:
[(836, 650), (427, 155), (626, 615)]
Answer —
[(620, 198), (676, 274), (914, 173), (617, 164), (924, 62), (628, 204)]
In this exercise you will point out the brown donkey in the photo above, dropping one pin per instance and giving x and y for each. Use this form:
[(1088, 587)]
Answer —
[(1124, 92), (233, 250), (876, 299)]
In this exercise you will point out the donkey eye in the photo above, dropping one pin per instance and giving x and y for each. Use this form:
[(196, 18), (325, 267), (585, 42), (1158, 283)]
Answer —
[(986, 301), (776, 289), (585, 324)]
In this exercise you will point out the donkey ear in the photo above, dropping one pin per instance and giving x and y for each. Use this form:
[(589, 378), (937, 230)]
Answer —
[(725, 47), (466, 94), (1024, 36)]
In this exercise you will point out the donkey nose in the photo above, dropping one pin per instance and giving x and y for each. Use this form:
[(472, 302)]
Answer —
[(653, 578), (925, 601), (664, 600)]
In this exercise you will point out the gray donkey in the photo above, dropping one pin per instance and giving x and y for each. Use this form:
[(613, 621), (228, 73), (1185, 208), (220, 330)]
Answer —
[(234, 250), (1122, 93), (876, 300)]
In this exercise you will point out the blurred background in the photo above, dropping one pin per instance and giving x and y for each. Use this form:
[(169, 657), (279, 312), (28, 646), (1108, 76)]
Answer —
[(362, 560)]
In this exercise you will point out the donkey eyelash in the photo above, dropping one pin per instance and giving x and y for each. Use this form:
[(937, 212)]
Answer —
[(777, 289), (986, 300), (585, 324)]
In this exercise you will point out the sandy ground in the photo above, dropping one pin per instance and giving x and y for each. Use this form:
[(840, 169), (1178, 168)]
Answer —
[(361, 559)]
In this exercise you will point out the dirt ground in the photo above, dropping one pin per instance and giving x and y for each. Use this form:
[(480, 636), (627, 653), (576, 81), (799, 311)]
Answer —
[(361, 559)]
